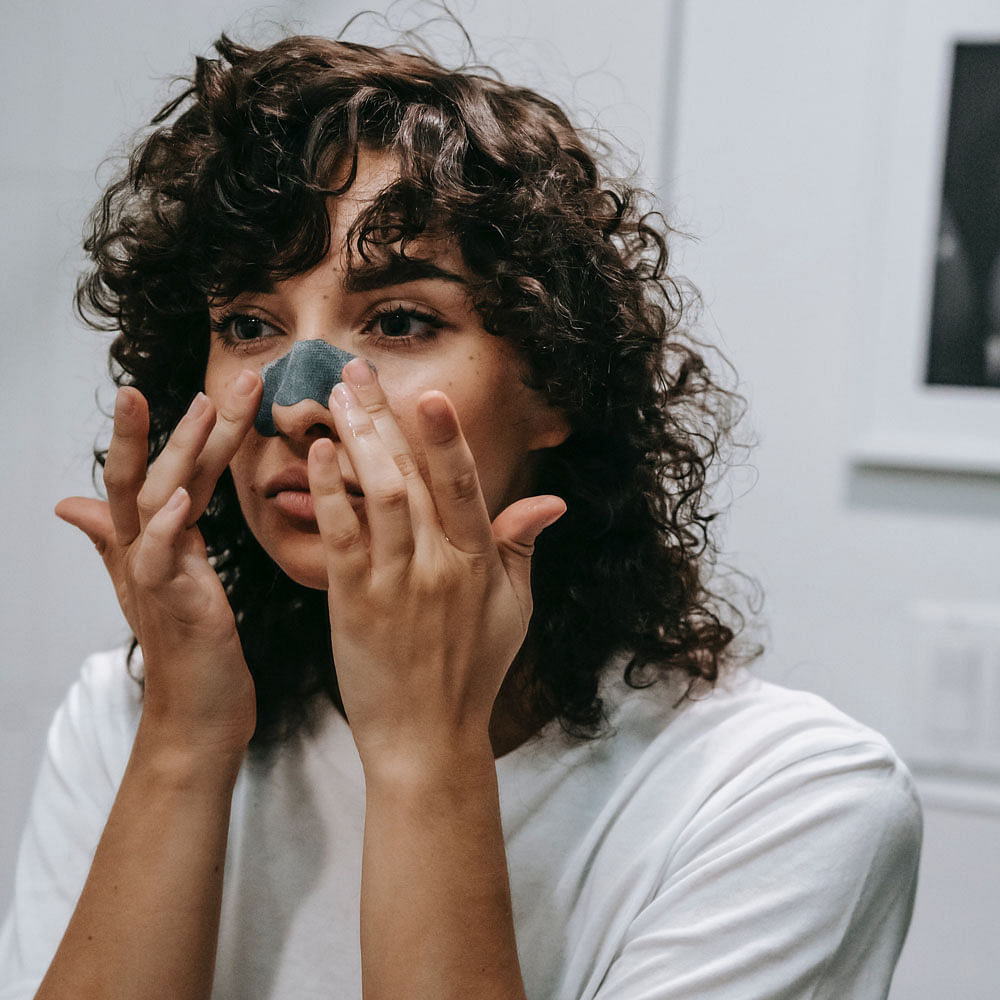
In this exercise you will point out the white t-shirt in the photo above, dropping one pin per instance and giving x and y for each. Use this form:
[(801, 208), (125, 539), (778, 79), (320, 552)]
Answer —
[(753, 844)]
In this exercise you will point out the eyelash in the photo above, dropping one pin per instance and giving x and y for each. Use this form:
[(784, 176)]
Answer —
[(434, 323), (223, 327)]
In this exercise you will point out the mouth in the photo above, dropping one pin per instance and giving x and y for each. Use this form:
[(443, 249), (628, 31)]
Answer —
[(289, 491)]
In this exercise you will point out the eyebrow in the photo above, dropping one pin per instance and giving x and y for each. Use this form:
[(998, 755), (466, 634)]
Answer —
[(397, 271)]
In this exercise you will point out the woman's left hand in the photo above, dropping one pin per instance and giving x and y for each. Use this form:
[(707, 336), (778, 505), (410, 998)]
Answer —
[(429, 605)]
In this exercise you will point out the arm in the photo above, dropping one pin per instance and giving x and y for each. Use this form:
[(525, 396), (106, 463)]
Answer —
[(428, 612), (435, 898), (147, 919)]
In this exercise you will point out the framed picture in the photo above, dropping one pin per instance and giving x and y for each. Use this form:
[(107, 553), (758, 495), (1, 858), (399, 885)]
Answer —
[(930, 356)]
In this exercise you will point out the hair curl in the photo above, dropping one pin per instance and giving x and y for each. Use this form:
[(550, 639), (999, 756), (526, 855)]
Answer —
[(229, 191)]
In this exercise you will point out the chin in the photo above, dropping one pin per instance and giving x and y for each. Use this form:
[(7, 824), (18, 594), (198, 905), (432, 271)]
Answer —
[(302, 562), (305, 575), (299, 554)]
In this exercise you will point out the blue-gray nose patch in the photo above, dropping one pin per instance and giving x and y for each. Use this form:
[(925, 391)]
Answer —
[(309, 370)]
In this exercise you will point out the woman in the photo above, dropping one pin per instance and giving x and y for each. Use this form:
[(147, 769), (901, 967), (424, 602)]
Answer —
[(431, 539)]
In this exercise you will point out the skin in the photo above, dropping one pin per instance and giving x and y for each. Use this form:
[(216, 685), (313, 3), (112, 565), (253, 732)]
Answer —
[(407, 499), (502, 420)]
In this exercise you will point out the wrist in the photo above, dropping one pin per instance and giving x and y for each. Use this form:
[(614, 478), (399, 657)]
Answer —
[(172, 759), (418, 768)]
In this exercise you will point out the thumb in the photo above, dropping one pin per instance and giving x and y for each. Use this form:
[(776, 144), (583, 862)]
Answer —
[(515, 530), (92, 517)]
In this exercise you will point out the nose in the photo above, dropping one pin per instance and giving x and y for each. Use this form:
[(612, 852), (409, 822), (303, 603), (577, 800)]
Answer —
[(297, 388), (306, 420)]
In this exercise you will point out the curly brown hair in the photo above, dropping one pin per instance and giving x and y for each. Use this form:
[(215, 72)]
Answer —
[(229, 192)]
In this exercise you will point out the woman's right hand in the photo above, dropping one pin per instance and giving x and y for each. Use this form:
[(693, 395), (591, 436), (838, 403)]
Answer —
[(198, 692)]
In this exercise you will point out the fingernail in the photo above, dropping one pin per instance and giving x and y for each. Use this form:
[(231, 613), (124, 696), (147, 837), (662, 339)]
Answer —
[(176, 498), (245, 384), (198, 405), (360, 373), (323, 451), (342, 396)]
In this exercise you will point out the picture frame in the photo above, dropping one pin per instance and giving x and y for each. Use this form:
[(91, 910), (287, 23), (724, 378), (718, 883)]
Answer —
[(903, 420)]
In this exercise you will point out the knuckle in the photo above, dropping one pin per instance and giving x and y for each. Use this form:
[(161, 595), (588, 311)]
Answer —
[(390, 496), (144, 575), (326, 486), (189, 433), (146, 504), (406, 464), (178, 438), (115, 478), (227, 409), (525, 549), (230, 416), (344, 537), (478, 564), (364, 429), (202, 470), (464, 487), (376, 408)]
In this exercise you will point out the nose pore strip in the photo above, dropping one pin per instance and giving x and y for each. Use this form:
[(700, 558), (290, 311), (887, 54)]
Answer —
[(309, 370)]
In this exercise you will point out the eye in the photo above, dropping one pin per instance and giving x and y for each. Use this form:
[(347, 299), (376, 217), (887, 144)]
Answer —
[(403, 323), (396, 323), (239, 329)]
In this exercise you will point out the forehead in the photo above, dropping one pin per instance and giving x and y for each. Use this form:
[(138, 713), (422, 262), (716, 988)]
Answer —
[(428, 256), (376, 170)]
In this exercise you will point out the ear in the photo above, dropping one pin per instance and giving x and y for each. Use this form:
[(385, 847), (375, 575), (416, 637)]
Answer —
[(550, 427)]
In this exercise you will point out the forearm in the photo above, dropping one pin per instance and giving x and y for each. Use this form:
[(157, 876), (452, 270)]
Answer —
[(436, 917), (146, 924)]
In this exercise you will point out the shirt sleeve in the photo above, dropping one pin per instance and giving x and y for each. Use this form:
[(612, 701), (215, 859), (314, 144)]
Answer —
[(799, 888), (85, 755)]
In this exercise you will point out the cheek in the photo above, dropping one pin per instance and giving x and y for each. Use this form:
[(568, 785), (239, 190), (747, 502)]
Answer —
[(218, 374), (241, 468), (487, 398), (494, 433)]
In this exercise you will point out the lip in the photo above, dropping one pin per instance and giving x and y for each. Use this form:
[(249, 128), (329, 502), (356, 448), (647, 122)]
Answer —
[(290, 492), (288, 481)]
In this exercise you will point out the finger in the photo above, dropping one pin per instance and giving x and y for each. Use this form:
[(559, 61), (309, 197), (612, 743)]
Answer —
[(387, 500), (515, 531), (339, 527), (176, 463), (157, 557), (235, 414), (454, 480), (364, 381), (125, 464), (92, 517)]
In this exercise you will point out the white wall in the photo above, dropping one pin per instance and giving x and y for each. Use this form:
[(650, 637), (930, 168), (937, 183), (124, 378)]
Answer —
[(776, 168), (780, 170)]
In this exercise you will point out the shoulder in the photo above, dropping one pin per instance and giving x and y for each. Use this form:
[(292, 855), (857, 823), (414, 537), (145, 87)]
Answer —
[(746, 834), (745, 725), (776, 827), (743, 757), (780, 765)]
